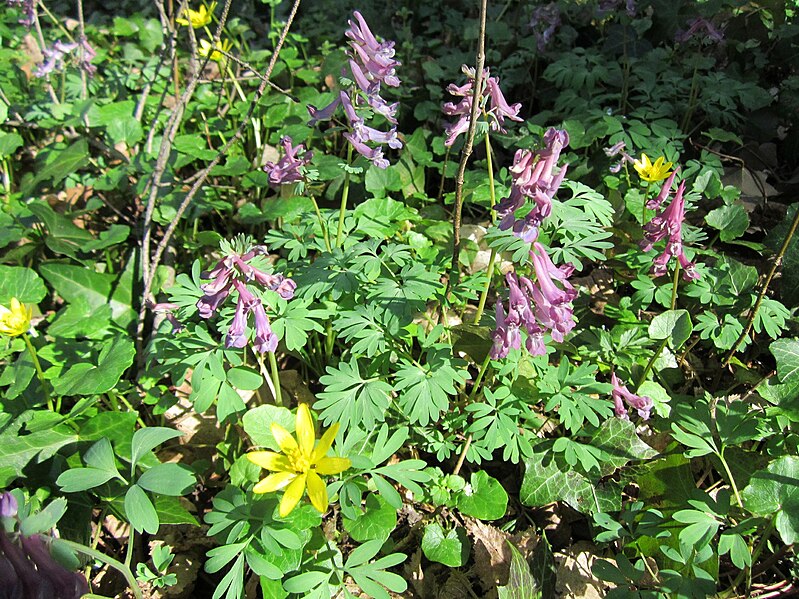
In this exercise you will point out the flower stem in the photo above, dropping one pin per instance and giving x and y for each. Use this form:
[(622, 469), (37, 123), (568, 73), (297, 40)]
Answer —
[(643, 208), (99, 556), (490, 270), (276, 379), (651, 363), (674, 287), (37, 365), (345, 193), (465, 449), (321, 223), (732, 480)]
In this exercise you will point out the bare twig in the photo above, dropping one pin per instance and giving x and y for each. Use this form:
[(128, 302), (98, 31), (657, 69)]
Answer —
[(753, 314), (477, 93)]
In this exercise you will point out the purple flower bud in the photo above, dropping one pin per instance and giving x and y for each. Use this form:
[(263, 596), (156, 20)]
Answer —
[(621, 396), (8, 505), (286, 289), (654, 203), (323, 114), (375, 155), (712, 34)]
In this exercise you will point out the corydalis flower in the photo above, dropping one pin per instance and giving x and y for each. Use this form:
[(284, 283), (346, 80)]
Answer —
[(618, 149), (621, 396), (606, 6), (299, 465), (55, 57), (492, 105), (371, 64), (536, 307), (232, 273), (534, 178), (668, 225), (86, 55), (712, 34), (289, 169), (28, 9), (545, 21)]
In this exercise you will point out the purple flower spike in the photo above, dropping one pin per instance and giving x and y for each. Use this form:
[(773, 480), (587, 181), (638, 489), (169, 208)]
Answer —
[(289, 169), (545, 21), (712, 34), (654, 203), (377, 58), (621, 396), (55, 57), (668, 225), (237, 333), (552, 304)]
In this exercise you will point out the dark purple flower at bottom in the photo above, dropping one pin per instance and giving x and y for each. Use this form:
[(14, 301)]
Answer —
[(624, 398)]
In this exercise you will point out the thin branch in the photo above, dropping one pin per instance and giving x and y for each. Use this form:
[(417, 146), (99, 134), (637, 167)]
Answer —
[(477, 93)]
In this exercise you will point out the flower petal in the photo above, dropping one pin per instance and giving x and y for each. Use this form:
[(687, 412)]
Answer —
[(305, 431), (270, 460), (292, 495), (317, 491), (333, 465), (273, 482), (284, 439), (324, 443)]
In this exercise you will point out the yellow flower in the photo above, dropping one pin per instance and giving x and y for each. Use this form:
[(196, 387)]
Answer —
[(300, 464), (16, 320), (197, 18), (206, 48), (652, 172)]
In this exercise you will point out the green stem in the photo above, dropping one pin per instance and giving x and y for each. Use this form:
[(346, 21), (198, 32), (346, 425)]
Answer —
[(651, 363), (345, 193), (483, 368), (674, 287), (490, 270), (755, 554), (39, 373), (643, 207), (732, 480), (692, 95), (276, 379), (321, 223), (110, 561)]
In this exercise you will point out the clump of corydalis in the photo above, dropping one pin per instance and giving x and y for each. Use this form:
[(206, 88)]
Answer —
[(702, 30), (233, 273), (28, 11), (291, 166), (623, 397), (537, 307), (493, 105), (544, 22), (667, 225), (608, 6), (534, 178), (372, 64)]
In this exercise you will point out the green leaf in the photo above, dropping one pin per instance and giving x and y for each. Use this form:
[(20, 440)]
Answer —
[(731, 221), (80, 479), (258, 422), (21, 283), (620, 445), (674, 325), (16, 451), (245, 378), (450, 548), (262, 566), (167, 479), (65, 237), (473, 340), (789, 285), (140, 510), (376, 522), (484, 498), (171, 511), (53, 166), (521, 583), (45, 519), (786, 353), (350, 399), (147, 439), (775, 490), (100, 375), (425, 390)]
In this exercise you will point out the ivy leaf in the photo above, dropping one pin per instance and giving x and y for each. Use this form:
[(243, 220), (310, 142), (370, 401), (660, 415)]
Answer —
[(450, 548), (730, 221), (521, 583), (786, 353), (775, 490), (350, 399), (619, 444)]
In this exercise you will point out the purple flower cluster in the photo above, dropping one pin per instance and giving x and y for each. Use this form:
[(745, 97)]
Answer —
[(56, 57), (28, 9), (544, 22), (621, 396), (607, 6), (668, 225), (371, 64), (538, 307), (533, 178), (27, 569), (498, 108), (233, 273), (289, 168), (618, 149), (696, 27)]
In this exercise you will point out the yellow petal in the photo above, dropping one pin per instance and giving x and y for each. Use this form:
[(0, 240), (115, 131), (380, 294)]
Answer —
[(333, 465), (305, 432), (270, 461), (292, 495), (273, 482), (317, 492), (284, 439), (324, 443)]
